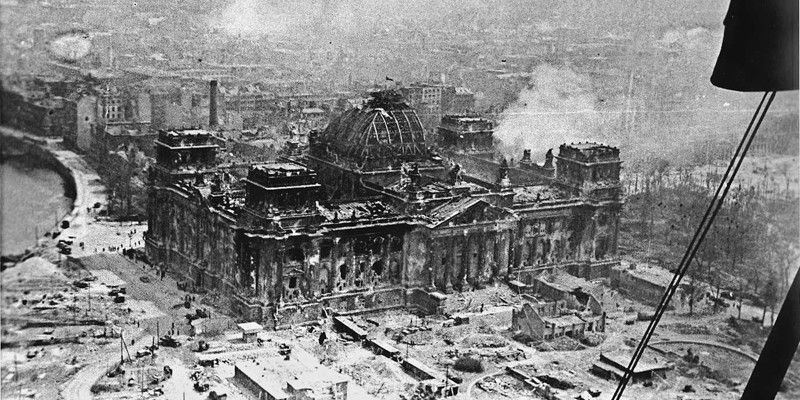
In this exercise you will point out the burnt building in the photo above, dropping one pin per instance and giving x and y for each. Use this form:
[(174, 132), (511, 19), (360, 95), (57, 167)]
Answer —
[(373, 218), (466, 133)]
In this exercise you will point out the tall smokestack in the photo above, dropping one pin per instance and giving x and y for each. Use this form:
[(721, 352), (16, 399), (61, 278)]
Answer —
[(213, 119)]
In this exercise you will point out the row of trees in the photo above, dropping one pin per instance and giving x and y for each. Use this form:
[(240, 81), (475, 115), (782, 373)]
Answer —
[(751, 249), (125, 174)]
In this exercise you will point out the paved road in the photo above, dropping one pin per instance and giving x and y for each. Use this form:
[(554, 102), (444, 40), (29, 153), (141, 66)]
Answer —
[(79, 387)]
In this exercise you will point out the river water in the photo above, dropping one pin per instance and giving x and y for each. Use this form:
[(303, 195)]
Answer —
[(32, 201)]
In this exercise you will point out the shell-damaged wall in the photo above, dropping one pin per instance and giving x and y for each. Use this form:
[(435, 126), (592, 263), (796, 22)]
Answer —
[(297, 269), (569, 234), (300, 275), (281, 263), (184, 237), (281, 281), (284, 280), (416, 259)]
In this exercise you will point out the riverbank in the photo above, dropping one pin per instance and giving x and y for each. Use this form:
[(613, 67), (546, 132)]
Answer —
[(33, 202), (82, 183), (34, 154)]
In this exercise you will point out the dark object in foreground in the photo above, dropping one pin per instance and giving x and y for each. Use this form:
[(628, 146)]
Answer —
[(468, 364), (776, 355), (213, 395), (201, 387), (169, 341), (759, 48)]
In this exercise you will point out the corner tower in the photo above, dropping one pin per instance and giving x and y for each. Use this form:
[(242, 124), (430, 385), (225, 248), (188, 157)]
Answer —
[(589, 170), (182, 154)]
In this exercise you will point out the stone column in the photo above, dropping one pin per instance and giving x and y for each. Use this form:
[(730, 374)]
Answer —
[(312, 271), (587, 236), (481, 276), (470, 263), (449, 266), (387, 275), (280, 254), (350, 260), (491, 254), (502, 259), (333, 271), (463, 262), (522, 255), (593, 222), (370, 258), (616, 232)]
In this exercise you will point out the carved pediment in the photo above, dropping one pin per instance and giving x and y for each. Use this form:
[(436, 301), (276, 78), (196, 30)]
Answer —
[(469, 211)]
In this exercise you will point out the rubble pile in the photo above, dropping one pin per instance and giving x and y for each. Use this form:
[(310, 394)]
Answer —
[(593, 339), (33, 271), (563, 343), (376, 375), (689, 329), (413, 334), (481, 340), (507, 387)]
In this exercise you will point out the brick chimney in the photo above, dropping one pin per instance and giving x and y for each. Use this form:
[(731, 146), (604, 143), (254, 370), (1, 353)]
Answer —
[(213, 119)]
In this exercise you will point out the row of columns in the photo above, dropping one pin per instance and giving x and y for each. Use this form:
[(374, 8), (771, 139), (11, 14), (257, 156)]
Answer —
[(471, 259), (344, 254), (319, 276), (592, 240)]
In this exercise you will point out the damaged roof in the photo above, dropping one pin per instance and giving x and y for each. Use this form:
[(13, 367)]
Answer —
[(529, 194), (567, 282), (357, 210), (383, 128), (451, 209)]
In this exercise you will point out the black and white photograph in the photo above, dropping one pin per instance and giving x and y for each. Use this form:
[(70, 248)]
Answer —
[(399, 200)]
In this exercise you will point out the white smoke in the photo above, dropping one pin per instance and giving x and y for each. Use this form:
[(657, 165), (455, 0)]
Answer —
[(557, 107)]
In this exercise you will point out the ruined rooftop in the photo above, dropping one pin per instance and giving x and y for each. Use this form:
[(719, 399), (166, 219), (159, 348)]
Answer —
[(588, 152), (357, 210), (537, 193), (381, 134), (185, 138)]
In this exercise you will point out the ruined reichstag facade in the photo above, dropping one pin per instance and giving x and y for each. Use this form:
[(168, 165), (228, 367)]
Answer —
[(376, 216)]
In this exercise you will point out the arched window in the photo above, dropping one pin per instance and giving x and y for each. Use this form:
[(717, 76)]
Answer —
[(376, 245), (397, 244), (325, 249), (295, 254), (360, 247), (377, 267)]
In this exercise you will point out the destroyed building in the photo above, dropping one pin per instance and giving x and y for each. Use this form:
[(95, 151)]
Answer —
[(557, 304), (647, 283), (277, 378), (374, 218)]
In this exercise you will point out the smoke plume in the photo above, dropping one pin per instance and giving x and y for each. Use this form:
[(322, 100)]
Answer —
[(559, 106)]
